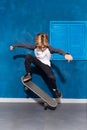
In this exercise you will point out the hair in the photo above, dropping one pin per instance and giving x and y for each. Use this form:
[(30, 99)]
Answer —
[(41, 39)]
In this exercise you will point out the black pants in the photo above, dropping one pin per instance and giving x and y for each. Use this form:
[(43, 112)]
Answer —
[(45, 68)]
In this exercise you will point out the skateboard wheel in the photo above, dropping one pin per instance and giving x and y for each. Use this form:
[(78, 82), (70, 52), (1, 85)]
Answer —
[(25, 88), (45, 106)]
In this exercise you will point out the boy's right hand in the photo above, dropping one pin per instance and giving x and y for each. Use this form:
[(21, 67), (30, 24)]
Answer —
[(11, 48)]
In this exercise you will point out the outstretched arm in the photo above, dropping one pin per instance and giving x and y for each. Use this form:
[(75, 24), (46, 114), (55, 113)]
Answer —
[(61, 52), (28, 46)]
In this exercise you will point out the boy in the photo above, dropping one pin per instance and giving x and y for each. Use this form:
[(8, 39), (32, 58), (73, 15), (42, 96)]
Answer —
[(41, 59)]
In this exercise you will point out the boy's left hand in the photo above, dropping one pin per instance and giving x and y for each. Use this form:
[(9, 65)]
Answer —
[(68, 57)]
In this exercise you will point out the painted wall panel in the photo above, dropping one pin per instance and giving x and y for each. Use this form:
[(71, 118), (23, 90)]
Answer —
[(20, 21), (71, 36)]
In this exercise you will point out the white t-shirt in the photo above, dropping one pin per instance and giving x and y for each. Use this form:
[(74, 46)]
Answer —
[(43, 56)]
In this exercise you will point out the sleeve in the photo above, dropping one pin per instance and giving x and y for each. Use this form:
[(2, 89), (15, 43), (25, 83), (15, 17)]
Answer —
[(54, 50), (27, 46)]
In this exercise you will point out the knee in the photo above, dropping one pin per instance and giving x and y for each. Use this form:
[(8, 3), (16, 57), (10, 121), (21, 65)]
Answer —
[(28, 56)]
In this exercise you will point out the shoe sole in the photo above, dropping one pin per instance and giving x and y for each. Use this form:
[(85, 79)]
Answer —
[(27, 79)]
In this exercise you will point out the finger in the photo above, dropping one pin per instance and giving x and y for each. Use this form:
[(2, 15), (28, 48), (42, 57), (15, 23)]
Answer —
[(11, 47)]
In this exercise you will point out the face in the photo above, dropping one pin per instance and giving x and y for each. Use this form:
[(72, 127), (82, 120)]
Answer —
[(42, 48)]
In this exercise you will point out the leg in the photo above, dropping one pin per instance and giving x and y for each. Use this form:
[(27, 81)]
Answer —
[(50, 75), (28, 60)]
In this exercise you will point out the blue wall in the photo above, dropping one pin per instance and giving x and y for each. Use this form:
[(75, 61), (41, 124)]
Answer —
[(20, 21)]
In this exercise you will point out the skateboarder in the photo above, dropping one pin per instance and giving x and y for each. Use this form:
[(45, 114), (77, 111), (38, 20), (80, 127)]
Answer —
[(42, 51)]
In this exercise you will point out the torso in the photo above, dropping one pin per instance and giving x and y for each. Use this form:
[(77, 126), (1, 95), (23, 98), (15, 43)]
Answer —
[(43, 56)]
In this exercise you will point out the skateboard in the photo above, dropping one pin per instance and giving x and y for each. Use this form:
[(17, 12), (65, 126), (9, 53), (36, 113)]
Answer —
[(48, 101)]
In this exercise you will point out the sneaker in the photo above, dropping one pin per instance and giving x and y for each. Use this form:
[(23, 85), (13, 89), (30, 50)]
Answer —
[(58, 94), (27, 77)]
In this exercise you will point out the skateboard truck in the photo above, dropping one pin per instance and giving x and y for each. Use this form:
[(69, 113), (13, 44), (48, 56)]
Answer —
[(45, 106)]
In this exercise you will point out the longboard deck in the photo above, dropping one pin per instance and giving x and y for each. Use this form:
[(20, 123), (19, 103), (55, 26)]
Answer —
[(39, 92)]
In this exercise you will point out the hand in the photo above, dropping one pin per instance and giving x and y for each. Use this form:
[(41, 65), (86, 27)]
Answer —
[(11, 47), (68, 57)]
